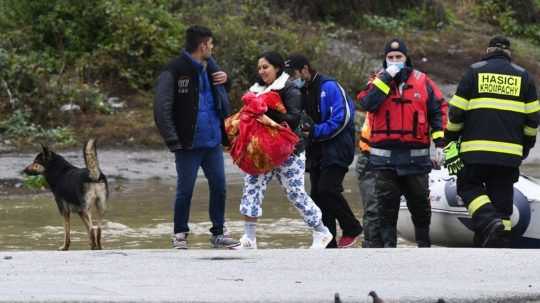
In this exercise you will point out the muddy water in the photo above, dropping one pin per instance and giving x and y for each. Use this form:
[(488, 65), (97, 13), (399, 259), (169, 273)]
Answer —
[(140, 216), (140, 208)]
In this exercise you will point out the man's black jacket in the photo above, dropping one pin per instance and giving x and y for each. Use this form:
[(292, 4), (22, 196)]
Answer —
[(176, 102)]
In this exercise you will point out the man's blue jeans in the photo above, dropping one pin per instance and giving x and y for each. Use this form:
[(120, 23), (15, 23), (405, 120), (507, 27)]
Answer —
[(187, 166)]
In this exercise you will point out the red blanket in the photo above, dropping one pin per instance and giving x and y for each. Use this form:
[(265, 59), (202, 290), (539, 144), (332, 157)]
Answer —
[(258, 144)]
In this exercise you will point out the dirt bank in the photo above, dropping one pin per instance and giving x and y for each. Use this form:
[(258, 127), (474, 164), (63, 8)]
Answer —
[(126, 165), (118, 165)]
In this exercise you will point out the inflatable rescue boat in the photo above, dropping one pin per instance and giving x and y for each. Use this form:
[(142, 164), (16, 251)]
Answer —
[(451, 224)]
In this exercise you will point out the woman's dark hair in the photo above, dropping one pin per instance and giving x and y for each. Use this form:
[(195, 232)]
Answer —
[(275, 59), (195, 35)]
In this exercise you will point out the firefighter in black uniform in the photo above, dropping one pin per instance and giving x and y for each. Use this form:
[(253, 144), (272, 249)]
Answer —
[(493, 120)]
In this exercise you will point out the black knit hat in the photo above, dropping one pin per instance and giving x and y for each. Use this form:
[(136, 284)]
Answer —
[(296, 62), (500, 42), (395, 45)]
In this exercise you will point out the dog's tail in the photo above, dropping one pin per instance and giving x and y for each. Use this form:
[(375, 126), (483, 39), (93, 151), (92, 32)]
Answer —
[(91, 160)]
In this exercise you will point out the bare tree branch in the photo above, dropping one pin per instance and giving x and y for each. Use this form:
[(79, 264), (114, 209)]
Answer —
[(10, 95)]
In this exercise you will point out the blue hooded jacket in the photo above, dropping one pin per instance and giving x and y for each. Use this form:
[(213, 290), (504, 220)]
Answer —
[(333, 135)]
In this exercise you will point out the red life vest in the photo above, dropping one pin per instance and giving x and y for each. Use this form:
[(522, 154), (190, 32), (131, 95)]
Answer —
[(403, 117), (439, 96)]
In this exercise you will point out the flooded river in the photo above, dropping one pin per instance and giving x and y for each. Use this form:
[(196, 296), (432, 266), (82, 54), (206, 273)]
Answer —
[(140, 212), (140, 216), (140, 209)]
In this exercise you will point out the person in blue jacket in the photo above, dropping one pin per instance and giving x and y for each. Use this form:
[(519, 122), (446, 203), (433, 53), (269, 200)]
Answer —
[(190, 106), (330, 147)]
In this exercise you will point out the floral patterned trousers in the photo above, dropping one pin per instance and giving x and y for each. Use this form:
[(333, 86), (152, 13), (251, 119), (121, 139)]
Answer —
[(291, 177)]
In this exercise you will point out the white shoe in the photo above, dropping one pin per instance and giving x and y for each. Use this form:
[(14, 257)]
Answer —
[(321, 239), (246, 243)]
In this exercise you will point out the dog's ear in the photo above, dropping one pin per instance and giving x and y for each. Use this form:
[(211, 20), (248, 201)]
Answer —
[(46, 151)]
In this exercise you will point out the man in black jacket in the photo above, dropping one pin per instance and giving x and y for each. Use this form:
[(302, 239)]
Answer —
[(190, 106)]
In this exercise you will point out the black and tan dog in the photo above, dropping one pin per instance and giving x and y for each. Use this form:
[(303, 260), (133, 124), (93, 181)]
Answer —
[(76, 190)]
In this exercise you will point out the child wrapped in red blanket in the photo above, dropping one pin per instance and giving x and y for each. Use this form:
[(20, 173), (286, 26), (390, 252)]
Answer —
[(258, 143)]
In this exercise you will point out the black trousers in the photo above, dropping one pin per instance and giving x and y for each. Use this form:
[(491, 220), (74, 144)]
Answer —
[(326, 191), (389, 187), (372, 219), (477, 181)]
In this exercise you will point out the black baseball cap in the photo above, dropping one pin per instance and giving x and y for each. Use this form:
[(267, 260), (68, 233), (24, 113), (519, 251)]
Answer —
[(500, 42), (296, 62)]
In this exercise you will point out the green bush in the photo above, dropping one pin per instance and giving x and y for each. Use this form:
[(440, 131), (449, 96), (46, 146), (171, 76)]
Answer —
[(57, 52), (346, 11), (19, 127), (384, 24), (35, 182), (532, 31), (429, 15), (510, 16), (121, 38), (252, 28), (141, 37), (41, 94), (60, 29)]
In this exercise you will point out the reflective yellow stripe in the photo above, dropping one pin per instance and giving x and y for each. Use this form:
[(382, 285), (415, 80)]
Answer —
[(507, 224), (459, 102), (491, 146), (532, 107), (530, 131), (438, 134), (500, 104), (454, 127), (381, 85), (477, 203)]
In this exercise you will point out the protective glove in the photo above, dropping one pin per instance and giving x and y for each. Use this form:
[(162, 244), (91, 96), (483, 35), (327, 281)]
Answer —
[(438, 158), (306, 125), (451, 158), (393, 70)]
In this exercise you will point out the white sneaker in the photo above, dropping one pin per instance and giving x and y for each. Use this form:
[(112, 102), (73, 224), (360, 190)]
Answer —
[(246, 243), (321, 239), (179, 240)]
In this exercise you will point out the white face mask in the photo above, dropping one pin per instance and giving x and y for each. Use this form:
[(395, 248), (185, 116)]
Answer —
[(400, 65), (299, 82)]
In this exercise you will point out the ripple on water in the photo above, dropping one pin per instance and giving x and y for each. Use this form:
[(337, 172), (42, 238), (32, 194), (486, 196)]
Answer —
[(140, 217), (264, 227)]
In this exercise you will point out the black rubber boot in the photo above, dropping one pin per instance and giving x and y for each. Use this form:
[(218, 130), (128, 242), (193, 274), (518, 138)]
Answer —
[(493, 235), (389, 236), (422, 236)]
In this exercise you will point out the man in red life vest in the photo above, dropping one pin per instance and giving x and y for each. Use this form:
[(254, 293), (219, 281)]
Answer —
[(406, 114)]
